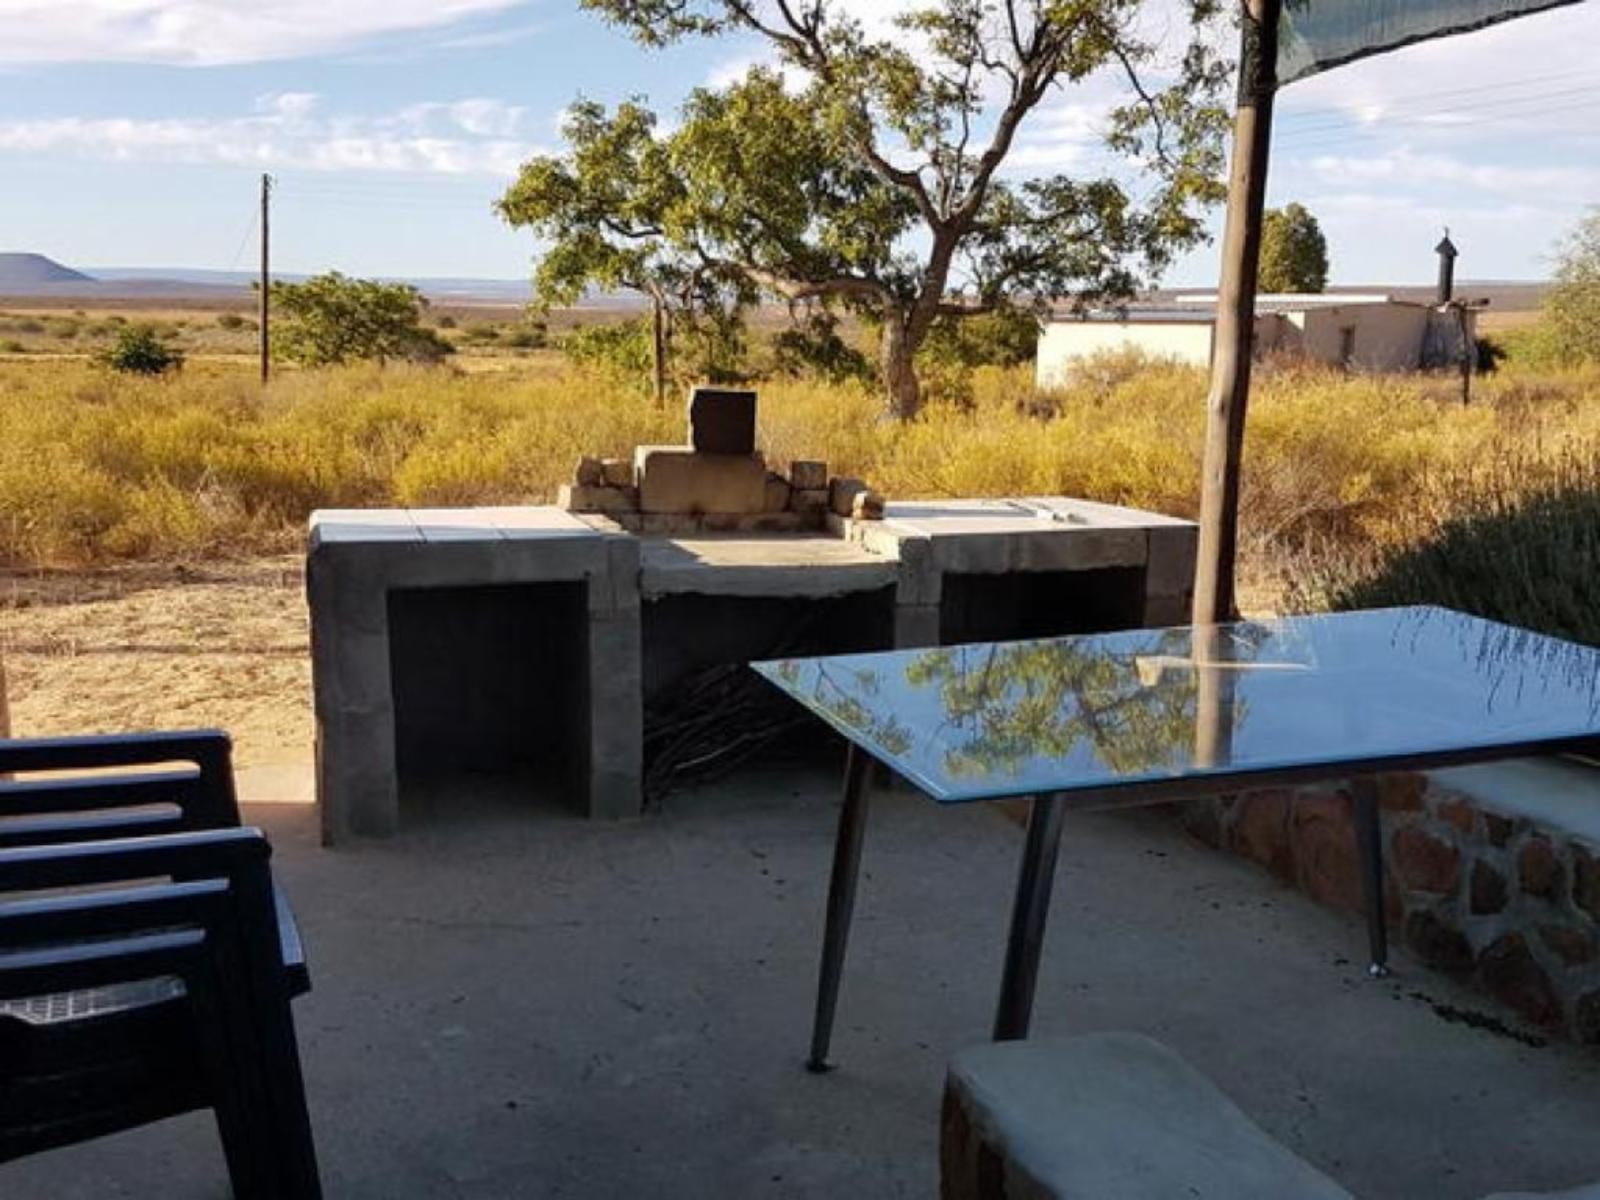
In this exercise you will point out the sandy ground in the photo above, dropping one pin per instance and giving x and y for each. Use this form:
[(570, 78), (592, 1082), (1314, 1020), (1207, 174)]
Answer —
[(167, 647)]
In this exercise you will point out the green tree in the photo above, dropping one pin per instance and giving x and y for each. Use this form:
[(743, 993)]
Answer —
[(331, 319), (140, 350), (1572, 306), (612, 211), (867, 172), (1294, 254)]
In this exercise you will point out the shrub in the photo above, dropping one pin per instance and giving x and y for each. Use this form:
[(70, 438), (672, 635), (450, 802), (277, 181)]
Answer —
[(1521, 545), (140, 350), (230, 321), (331, 319)]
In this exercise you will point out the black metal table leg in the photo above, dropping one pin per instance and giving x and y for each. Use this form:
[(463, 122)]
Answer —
[(1028, 913), (841, 903), (1369, 845)]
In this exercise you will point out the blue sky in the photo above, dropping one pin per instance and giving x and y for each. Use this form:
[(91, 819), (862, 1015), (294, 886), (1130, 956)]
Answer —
[(132, 133)]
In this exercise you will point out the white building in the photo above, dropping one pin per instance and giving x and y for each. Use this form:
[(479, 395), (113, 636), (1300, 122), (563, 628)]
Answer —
[(1360, 332)]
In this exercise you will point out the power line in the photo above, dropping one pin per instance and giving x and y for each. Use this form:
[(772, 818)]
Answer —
[(1369, 134), (1474, 90), (1414, 116)]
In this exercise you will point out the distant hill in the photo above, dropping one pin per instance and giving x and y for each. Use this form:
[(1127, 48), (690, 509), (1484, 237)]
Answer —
[(19, 272)]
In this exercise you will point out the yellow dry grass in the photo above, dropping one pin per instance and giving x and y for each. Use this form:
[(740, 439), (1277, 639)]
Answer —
[(96, 467)]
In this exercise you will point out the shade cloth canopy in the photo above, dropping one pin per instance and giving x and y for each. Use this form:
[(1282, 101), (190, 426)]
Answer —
[(1318, 34)]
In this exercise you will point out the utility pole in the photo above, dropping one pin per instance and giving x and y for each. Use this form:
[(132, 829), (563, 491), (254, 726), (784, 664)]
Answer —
[(266, 358), (1236, 314)]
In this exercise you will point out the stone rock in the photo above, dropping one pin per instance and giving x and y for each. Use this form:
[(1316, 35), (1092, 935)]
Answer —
[(809, 476), (1572, 946), (1458, 813), (1260, 830), (842, 493), (616, 472), (1402, 791), (1202, 820), (675, 479), (1513, 977), (1325, 849), (1499, 828), (1586, 881), (1488, 889), (809, 502), (722, 420), (1424, 863), (777, 493), (866, 506), (594, 498), (588, 472), (1538, 868), (1586, 1019), (1437, 944)]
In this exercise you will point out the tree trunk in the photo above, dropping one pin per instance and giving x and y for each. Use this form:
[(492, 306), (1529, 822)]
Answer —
[(658, 350), (898, 366)]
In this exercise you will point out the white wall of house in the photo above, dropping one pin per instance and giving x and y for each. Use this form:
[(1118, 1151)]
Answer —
[(1374, 334), (1063, 342), (1363, 337)]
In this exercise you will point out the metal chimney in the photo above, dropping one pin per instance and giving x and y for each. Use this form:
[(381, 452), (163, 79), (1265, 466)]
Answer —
[(1446, 250)]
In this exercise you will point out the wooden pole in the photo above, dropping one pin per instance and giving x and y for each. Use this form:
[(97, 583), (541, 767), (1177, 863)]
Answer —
[(1236, 303), (266, 276)]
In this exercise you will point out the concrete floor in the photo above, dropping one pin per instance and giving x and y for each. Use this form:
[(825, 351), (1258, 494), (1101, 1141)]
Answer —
[(521, 1004)]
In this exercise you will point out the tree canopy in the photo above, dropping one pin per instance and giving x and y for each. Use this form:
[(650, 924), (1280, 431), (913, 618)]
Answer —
[(866, 171), (1294, 254), (1572, 306), (331, 319)]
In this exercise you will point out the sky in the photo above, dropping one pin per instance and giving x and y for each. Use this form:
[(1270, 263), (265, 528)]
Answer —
[(133, 133)]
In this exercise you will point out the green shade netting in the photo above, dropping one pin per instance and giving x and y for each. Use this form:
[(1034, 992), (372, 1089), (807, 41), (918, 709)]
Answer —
[(1318, 34)]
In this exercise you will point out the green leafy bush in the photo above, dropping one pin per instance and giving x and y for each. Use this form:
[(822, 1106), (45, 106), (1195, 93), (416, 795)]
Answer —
[(332, 319), (140, 350)]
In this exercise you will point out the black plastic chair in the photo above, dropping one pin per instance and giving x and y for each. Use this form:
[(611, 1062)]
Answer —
[(148, 975)]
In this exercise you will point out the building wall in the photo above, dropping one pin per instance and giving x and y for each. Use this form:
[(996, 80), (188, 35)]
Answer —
[(1062, 342), (1384, 337)]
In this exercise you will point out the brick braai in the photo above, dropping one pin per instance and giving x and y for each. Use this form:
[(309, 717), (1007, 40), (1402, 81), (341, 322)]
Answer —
[(717, 483)]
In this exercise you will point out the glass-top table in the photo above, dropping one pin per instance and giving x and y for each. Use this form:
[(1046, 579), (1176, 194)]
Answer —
[(1149, 716)]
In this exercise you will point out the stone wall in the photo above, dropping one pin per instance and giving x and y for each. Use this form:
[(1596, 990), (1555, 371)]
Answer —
[(1508, 901)]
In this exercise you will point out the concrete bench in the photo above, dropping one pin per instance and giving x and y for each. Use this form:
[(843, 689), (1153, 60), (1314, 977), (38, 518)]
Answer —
[(1110, 1116), (1114, 1116)]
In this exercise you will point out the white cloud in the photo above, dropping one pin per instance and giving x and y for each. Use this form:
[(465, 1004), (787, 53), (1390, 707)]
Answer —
[(212, 32), (286, 131), (1405, 168)]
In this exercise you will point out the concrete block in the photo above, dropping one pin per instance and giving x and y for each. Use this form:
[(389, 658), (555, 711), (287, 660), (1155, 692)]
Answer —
[(675, 479), (357, 786), (866, 506), (598, 498), (808, 475), (588, 472), (916, 626), (1170, 558), (920, 580), (842, 493), (670, 525), (616, 731), (722, 420), (809, 502), (616, 472), (1107, 1114), (1165, 611), (777, 493)]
